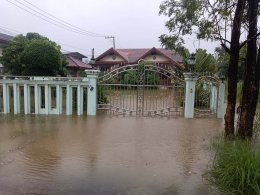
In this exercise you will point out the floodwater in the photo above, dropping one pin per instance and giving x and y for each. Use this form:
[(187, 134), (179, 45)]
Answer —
[(105, 155)]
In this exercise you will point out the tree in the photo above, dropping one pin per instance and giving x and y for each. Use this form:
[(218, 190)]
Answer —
[(252, 76), (33, 55), (40, 58), (11, 55), (210, 19), (205, 62), (222, 60)]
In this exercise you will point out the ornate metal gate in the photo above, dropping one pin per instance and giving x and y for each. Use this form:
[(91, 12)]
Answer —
[(142, 90), (206, 95)]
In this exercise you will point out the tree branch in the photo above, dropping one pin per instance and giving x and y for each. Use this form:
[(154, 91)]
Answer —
[(226, 48), (222, 39), (246, 41)]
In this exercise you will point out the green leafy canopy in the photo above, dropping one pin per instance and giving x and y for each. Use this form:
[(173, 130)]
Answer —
[(33, 55), (207, 19)]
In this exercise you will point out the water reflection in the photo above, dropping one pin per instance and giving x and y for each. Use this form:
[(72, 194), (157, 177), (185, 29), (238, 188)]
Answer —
[(104, 155)]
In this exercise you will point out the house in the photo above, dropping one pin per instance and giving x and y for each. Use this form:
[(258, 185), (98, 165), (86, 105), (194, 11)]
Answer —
[(4, 39), (77, 63), (120, 57), (76, 55)]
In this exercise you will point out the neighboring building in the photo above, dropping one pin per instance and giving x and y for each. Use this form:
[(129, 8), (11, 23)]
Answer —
[(120, 57), (76, 55), (4, 39), (76, 63)]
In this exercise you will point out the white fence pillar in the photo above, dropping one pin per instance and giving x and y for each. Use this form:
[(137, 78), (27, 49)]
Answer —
[(213, 98), (58, 100), (221, 99), (79, 100), (25, 95), (47, 99), (69, 100), (16, 98), (92, 76), (36, 98), (6, 97), (190, 79)]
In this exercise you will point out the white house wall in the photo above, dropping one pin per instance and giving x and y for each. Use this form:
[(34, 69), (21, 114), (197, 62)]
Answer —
[(159, 58), (109, 58)]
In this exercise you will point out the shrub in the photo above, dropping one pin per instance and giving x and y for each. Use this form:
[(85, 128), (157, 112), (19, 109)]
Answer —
[(236, 168), (102, 97)]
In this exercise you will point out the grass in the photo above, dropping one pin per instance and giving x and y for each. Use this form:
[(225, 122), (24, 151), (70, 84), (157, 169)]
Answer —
[(236, 167), (256, 128)]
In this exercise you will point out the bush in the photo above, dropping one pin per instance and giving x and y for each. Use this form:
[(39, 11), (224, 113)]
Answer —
[(102, 97), (236, 168)]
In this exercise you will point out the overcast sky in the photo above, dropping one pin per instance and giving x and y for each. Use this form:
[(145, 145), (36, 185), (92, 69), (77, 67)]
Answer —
[(134, 23)]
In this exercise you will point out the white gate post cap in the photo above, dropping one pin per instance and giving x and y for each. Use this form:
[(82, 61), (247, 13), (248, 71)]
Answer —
[(92, 72), (190, 76)]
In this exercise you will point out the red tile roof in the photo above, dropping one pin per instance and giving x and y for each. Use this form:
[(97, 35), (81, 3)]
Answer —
[(74, 63), (132, 56)]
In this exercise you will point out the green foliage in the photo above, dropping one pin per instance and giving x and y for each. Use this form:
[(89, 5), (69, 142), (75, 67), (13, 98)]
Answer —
[(205, 19), (102, 96), (152, 78), (83, 74), (32, 35), (40, 58), (11, 58), (183, 16), (205, 62), (33, 55), (130, 77), (222, 60), (63, 71), (256, 128), (202, 96), (236, 167)]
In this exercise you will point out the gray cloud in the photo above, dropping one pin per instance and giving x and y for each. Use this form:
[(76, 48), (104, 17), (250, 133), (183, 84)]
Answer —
[(134, 23)]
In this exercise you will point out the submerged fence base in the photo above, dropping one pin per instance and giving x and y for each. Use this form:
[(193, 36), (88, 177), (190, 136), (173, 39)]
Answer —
[(70, 95), (48, 95)]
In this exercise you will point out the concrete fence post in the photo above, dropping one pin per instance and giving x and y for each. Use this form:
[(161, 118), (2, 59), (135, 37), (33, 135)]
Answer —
[(36, 99), (26, 102), (213, 98), (190, 80), (16, 98), (92, 76), (68, 100), (221, 100), (6, 97)]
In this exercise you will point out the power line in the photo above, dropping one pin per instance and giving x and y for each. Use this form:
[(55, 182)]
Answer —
[(41, 17), (46, 18), (63, 21), (9, 30), (55, 22), (5, 29)]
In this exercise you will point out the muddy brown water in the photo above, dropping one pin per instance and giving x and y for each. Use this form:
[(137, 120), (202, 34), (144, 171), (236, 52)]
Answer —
[(105, 155)]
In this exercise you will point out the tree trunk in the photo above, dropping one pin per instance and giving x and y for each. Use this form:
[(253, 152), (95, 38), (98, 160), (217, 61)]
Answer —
[(232, 70), (251, 82)]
